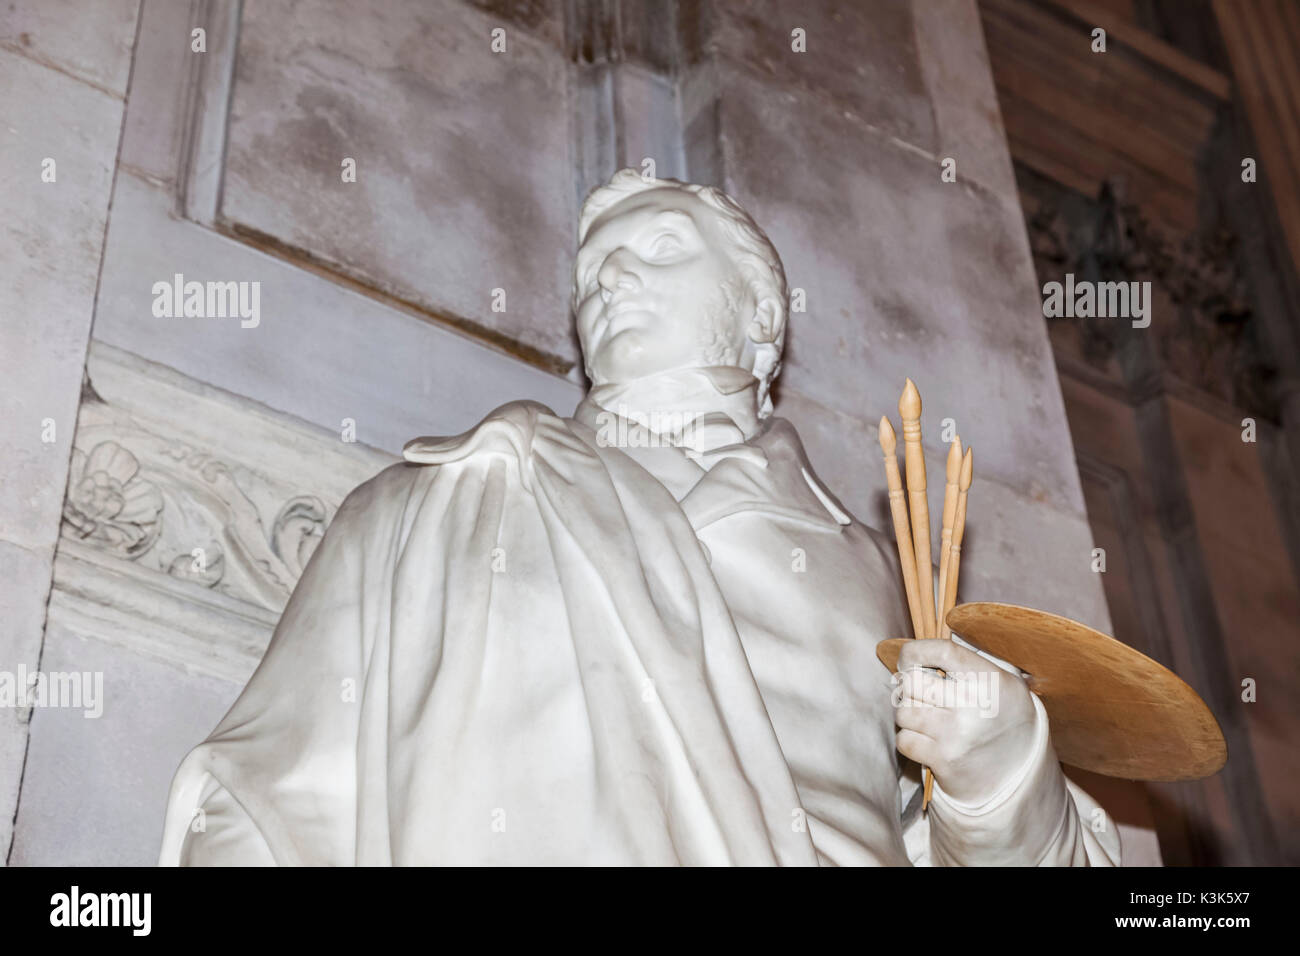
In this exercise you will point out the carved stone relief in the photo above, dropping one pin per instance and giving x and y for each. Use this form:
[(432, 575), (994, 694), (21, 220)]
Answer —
[(180, 489), (178, 509)]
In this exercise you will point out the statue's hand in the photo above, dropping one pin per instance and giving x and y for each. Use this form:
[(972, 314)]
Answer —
[(973, 729)]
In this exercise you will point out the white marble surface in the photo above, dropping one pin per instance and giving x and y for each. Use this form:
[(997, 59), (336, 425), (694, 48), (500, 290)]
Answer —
[(321, 351), (63, 101), (95, 789), (464, 167)]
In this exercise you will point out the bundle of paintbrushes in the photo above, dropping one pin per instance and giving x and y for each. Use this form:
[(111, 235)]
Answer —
[(1113, 710), (911, 513)]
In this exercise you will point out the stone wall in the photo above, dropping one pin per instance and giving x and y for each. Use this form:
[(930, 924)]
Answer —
[(63, 102)]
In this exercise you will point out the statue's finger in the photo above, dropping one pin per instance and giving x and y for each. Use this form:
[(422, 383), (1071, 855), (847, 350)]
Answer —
[(921, 686), (921, 718), (941, 654), (917, 746)]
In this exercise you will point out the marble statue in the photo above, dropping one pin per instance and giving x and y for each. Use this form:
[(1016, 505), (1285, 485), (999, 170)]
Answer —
[(643, 634)]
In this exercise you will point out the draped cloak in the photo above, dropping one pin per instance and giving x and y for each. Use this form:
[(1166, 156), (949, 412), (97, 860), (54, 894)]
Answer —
[(519, 647)]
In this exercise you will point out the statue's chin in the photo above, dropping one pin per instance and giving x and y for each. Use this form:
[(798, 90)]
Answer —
[(631, 355)]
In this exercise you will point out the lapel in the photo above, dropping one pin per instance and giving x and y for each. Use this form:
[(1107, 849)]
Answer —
[(770, 473), (786, 486)]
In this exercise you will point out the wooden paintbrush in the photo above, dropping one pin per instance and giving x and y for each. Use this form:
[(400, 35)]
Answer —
[(950, 574), (952, 475), (902, 532)]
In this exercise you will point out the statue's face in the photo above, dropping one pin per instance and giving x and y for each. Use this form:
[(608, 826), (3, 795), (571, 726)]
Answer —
[(658, 290)]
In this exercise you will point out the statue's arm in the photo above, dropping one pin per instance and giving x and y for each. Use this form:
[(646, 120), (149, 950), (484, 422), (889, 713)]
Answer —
[(282, 762), (1038, 818)]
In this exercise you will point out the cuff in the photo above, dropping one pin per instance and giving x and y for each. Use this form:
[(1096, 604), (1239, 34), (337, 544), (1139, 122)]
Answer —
[(1025, 823)]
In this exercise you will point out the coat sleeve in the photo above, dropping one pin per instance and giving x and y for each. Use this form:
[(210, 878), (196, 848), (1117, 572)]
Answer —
[(277, 780), (1039, 818)]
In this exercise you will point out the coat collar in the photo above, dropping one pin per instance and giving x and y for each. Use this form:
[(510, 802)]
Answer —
[(770, 473), (785, 485)]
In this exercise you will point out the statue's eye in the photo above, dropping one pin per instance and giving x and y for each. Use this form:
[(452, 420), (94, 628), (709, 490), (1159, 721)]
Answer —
[(665, 245)]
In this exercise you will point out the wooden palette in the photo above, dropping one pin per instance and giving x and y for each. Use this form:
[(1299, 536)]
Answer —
[(1113, 710)]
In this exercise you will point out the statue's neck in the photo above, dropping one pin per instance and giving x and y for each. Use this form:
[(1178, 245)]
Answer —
[(699, 408)]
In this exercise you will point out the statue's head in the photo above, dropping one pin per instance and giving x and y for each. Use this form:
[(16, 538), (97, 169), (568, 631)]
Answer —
[(671, 276)]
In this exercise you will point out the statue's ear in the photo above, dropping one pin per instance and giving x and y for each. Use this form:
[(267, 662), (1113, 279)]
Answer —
[(768, 319)]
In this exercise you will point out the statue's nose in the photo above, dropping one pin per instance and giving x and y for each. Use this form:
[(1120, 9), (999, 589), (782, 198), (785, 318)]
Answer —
[(616, 273)]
